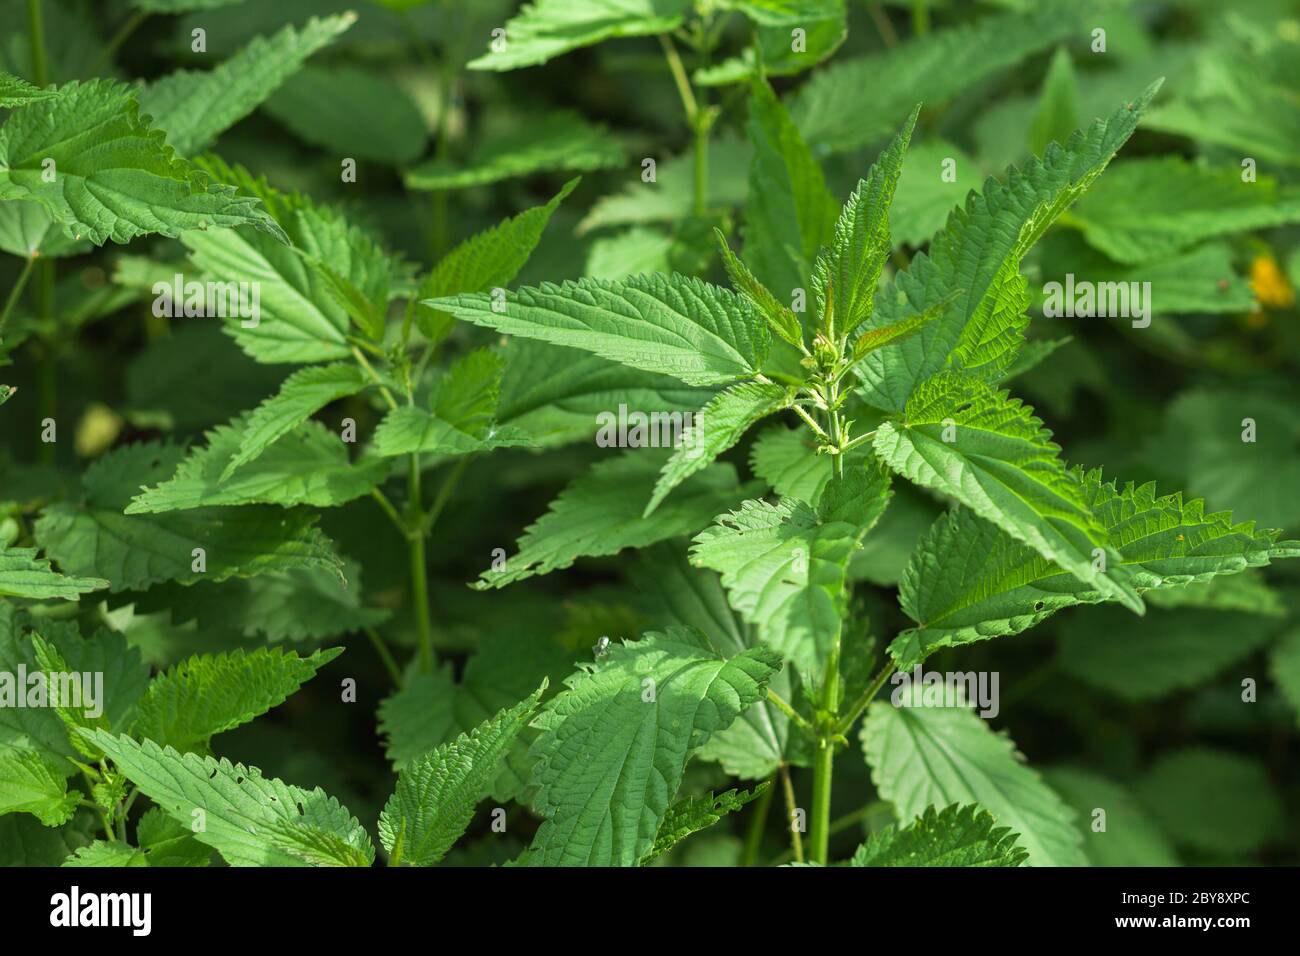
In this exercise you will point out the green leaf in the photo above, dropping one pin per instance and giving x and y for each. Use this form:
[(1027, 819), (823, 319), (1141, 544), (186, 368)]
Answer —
[(678, 594), (302, 395), (1174, 649), (559, 141), (674, 324), (1002, 464), (196, 107), (693, 814), (925, 196), (432, 709), (488, 260), (408, 430), (930, 69), (780, 319), (131, 184), (788, 460), (24, 841), (105, 853), (979, 278), (785, 565), (969, 581), (212, 693), (545, 29), (671, 199), (70, 703), (935, 756), (351, 112), (249, 819), (294, 605), (1213, 800), (43, 728), (16, 92), (1284, 668), (1058, 104), (1243, 98), (32, 783), (1201, 280), (1150, 208), (301, 317), (436, 795), (600, 513), (823, 35), (556, 394), (132, 552), (715, 428), (953, 836), (615, 742), (1203, 437), (23, 574), (1128, 837), (847, 273), (28, 230), (790, 212), (166, 842), (307, 466)]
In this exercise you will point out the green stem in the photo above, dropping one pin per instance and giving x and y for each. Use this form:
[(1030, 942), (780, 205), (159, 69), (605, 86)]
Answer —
[(48, 389), (385, 655), (757, 824), (789, 711), (920, 17), (796, 841), (120, 37), (389, 510), (699, 120), (866, 698), (16, 291), (36, 32), (824, 763), (419, 571), (701, 144)]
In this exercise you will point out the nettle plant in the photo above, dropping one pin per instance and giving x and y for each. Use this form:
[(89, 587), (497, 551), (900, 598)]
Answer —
[(759, 658)]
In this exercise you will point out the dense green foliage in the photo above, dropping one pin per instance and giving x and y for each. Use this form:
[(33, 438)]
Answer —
[(458, 432)]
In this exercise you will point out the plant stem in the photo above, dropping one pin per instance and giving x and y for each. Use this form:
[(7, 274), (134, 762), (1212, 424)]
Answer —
[(389, 510), (920, 17), (419, 572), (861, 703), (789, 711), (796, 841), (120, 37), (16, 291), (49, 392), (699, 120), (385, 655), (36, 32), (757, 824), (881, 20), (824, 761), (370, 370)]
